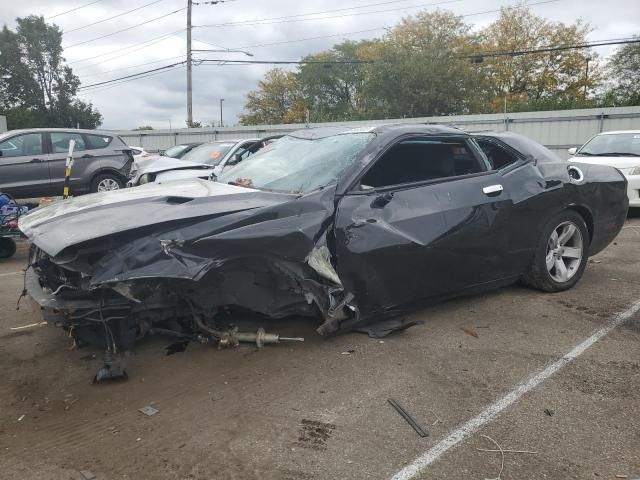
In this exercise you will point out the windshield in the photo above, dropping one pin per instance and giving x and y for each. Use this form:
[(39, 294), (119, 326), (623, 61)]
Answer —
[(176, 151), (298, 165), (209, 153), (615, 144)]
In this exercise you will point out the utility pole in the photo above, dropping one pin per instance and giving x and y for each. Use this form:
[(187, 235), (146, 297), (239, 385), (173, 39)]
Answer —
[(189, 75), (221, 100)]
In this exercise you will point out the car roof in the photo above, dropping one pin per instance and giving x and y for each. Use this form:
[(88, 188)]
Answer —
[(398, 128), (70, 130), (615, 132)]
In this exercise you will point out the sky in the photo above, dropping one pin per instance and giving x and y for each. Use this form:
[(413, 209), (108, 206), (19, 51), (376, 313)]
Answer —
[(128, 46)]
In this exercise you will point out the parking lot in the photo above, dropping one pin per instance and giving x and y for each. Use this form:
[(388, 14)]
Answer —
[(319, 410)]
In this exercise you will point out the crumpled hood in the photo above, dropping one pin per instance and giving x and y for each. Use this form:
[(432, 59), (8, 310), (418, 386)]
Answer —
[(69, 222), (625, 164), (162, 164)]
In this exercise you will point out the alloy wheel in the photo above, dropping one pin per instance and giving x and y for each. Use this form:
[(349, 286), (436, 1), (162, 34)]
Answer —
[(565, 249), (108, 184)]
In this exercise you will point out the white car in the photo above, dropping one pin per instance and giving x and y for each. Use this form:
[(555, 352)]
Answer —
[(619, 149), (139, 153), (204, 161)]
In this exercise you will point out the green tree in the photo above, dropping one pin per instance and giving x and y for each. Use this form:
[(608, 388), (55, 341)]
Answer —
[(539, 80), (143, 127), (278, 99), (624, 70), (417, 69), (37, 88), (333, 91)]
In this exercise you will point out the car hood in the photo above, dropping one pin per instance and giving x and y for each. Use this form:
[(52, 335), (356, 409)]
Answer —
[(621, 163), (69, 222), (161, 164)]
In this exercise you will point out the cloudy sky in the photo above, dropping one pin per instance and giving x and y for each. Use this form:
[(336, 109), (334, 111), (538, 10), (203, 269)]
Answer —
[(128, 46)]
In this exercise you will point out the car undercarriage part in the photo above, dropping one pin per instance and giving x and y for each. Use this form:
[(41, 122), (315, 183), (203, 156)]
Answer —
[(111, 370)]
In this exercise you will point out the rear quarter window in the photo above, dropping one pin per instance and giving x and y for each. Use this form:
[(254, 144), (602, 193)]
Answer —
[(97, 141)]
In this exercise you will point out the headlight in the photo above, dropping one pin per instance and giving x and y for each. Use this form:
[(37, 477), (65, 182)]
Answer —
[(634, 171)]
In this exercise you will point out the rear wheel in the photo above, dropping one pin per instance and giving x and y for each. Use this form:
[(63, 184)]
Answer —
[(561, 255), (7, 247), (106, 182)]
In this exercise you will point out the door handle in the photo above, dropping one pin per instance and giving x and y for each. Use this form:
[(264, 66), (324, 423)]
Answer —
[(492, 190), (36, 160)]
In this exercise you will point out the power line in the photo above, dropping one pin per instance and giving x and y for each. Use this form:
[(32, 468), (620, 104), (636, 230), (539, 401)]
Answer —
[(284, 62), (127, 68), (548, 49), (369, 29), (72, 10), (107, 87), (126, 29), (165, 67), (293, 18), (111, 18), (150, 42), (147, 73)]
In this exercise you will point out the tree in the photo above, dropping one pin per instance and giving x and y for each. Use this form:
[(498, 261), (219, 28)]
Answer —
[(277, 100), (143, 127), (38, 89), (193, 124), (548, 78), (333, 91), (624, 70)]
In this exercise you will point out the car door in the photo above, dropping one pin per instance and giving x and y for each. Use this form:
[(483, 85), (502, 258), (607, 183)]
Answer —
[(427, 219), (23, 169), (57, 160)]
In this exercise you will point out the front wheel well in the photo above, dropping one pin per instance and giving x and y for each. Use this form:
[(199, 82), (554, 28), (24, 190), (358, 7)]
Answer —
[(587, 217)]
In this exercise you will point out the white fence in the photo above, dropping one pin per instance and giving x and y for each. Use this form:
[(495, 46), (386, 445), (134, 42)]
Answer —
[(558, 130)]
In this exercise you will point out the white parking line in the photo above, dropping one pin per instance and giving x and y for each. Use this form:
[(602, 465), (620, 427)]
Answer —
[(11, 273), (471, 426)]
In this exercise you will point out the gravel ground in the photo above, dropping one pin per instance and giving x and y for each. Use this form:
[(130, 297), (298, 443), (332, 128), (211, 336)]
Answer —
[(318, 410)]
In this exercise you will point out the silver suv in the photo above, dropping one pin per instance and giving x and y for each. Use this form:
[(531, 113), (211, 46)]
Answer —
[(32, 162)]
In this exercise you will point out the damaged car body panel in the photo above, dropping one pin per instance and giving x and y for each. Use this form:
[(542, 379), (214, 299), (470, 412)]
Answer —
[(353, 226)]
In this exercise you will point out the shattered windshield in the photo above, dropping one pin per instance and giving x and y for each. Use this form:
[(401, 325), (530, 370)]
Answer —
[(209, 153), (298, 165), (612, 144)]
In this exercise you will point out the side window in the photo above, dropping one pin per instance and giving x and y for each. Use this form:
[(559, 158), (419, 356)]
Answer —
[(97, 141), (498, 157), (60, 142), (22, 145), (422, 159)]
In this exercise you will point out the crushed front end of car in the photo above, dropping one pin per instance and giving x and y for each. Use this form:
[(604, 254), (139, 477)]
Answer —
[(109, 271)]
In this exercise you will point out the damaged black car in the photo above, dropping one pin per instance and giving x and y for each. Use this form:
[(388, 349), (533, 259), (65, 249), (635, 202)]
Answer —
[(354, 227)]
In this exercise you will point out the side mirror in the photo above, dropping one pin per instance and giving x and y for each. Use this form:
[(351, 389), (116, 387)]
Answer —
[(572, 151), (1, 153), (237, 158)]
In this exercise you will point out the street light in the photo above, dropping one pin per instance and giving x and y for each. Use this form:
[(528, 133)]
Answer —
[(248, 54), (221, 100)]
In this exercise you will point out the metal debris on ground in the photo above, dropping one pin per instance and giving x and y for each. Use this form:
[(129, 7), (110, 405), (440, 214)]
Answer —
[(149, 411), (549, 412), (87, 475), (21, 417), (347, 352), (410, 420)]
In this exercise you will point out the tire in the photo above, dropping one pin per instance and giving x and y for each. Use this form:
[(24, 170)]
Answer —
[(7, 247), (563, 239), (106, 182)]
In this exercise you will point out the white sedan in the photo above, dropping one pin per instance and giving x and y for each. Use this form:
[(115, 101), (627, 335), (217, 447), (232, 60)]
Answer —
[(619, 149)]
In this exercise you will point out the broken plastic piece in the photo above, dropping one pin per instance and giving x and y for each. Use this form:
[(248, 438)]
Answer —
[(149, 411)]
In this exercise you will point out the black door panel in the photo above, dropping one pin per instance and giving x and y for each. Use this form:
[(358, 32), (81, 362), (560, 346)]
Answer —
[(425, 241)]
